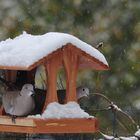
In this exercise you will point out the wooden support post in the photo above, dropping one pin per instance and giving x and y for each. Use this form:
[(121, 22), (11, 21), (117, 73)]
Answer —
[(2, 111), (31, 76), (52, 66), (10, 75), (71, 62)]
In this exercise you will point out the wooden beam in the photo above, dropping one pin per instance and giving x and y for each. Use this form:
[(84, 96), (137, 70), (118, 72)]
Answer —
[(13, 68), (52, 66), (5, 120), (10, 75), (53, 126), (71, 62), (76, 125)]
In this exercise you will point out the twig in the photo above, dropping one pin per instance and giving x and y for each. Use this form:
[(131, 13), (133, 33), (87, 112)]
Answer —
[(113, 106), (106, 98)]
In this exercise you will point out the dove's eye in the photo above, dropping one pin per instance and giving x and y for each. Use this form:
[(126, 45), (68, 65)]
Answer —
[(83, 89)]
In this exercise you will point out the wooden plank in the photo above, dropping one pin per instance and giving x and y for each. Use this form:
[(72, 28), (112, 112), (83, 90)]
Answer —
[(53, 126), (67, 126), (5, 120), (14, 68)]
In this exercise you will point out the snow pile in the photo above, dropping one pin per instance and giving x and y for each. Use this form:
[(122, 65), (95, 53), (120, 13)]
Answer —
[(108, 137), (27, 49), (135, 137), (57, 111), (114, 106), (128, 138), (137, 134), (137, 103)]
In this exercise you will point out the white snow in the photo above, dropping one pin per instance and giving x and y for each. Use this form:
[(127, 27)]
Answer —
[(108, 137), (137, 133), (115, 107), (128, 138), (57, 111), (26, 49), (137, 103), (135, 137)]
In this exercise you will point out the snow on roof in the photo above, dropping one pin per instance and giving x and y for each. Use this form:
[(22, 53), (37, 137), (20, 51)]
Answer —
[(26, 49), (57, 111)]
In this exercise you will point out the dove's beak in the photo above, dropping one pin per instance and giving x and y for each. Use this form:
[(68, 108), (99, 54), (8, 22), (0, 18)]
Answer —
[(87, 94), (31, 93)]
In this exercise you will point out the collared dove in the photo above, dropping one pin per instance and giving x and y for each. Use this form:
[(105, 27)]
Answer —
[(82, 92), (61, 94), (19, 103)]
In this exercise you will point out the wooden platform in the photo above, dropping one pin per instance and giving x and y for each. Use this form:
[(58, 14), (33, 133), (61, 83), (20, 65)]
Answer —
[(48, 126)]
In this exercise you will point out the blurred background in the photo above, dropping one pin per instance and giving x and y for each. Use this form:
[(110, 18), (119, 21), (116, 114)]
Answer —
[(116, 23)]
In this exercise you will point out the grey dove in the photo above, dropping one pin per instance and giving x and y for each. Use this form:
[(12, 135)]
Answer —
[(82, 92), (19, 103)]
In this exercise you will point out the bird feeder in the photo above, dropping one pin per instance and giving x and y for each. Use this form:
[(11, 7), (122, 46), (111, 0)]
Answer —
[(53, 50)]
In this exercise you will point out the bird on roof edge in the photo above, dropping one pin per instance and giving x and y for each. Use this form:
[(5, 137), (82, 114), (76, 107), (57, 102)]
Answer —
[(99, 46)]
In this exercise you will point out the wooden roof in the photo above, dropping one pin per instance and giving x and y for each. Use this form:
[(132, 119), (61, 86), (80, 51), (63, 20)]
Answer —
[(86, 61), (87, 57)]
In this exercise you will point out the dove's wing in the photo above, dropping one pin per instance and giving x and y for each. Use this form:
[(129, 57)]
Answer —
[(8, 101)]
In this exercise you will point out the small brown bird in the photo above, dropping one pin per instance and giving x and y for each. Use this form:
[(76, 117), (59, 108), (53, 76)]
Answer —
[(99, 46)]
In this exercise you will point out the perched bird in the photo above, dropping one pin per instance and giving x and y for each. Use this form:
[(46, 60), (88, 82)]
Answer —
[(100, 45), (82, 92), (19, 103)]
